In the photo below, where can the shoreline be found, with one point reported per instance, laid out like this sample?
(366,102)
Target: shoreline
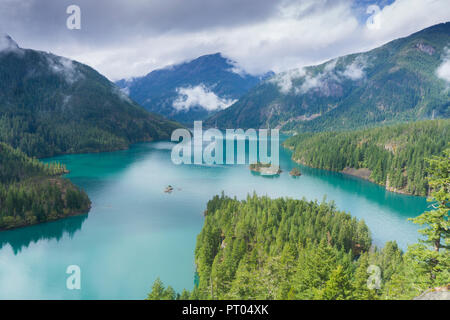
(360,174)
(73,214)
(101,151)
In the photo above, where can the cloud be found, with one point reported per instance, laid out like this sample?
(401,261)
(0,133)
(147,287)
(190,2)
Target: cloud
(309,80)
(200,96)
(7,44)
(320,80)
(443,71)
(123,39)
(237,68)
(284,80)
(64,67)
(355,70)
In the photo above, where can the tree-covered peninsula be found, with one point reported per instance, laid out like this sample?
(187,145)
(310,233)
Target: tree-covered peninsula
(262,248)
(33,192)
(392,156)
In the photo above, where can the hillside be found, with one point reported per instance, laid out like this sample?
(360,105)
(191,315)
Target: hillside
(33,192)
(402,80)
(393,156)
(52,105)
(286,249)
(192,90)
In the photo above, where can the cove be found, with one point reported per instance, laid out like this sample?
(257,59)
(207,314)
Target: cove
(135,232)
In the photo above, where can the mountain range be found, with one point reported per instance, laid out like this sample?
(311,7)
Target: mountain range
(192,90)
(404,80)
(52,105)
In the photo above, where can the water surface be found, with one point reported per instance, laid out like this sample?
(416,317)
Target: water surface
(135,232)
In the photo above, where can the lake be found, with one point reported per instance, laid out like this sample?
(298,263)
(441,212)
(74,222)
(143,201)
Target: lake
(136,232)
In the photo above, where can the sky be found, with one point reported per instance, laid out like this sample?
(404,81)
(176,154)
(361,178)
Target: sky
(124,39)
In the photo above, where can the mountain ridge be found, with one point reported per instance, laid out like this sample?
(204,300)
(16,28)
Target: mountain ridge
(395,82)
(191,90)
(53,105)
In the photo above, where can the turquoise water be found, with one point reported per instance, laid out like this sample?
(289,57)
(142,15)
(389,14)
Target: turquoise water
(135,232)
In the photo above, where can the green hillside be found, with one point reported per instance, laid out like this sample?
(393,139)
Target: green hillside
(33,192)
(51,105)
(278,249)
(394,155)
(396,82)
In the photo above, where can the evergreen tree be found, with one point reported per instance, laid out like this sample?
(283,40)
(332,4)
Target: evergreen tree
(158,290)
(428,255)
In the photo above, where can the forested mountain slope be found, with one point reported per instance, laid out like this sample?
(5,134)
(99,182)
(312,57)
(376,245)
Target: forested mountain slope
(262,248)
(33,192)
(394,155)
(403,80)
(52,105)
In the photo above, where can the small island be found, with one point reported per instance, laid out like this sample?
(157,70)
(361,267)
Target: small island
(295,172)
(168,189)
(265,169)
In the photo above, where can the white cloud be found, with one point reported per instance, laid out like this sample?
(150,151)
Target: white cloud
(443,71)
(284,79)
(122,93)
(319,80)
(65,67)
(355,70)
(288,34)
(7,44)
(200,96)
(126,91)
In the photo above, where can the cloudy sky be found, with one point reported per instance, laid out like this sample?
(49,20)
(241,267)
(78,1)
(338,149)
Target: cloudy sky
(122,39)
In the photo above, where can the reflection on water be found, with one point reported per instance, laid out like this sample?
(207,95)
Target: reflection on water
(21,238)
(135,232)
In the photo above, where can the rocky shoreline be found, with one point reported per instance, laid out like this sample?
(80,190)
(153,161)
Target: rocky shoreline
(265,169)
(362,173)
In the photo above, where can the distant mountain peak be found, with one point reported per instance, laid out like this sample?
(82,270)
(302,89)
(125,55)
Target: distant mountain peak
(7,43)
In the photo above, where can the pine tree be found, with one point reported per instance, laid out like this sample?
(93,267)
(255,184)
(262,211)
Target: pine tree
(428,254)
(157,292)
(338,287)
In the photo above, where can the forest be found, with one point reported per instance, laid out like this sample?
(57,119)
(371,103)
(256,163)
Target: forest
(33,192)
(51,105)
(395,155)
(262,248)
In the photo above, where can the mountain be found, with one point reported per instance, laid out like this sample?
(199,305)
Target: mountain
(192,90)
(33,192)
(52,105)
(406,79)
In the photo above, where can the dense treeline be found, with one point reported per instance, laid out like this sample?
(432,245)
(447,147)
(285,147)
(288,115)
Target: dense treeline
(251,249)
(395,155)
(261,248)
(33,192)
(16,166)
